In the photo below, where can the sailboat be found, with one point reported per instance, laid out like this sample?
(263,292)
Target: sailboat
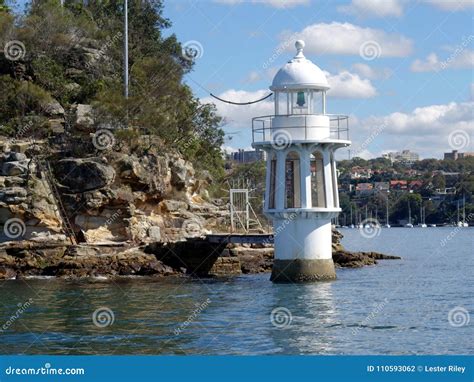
(422,224)
(387,224)
(351,225)
(409,225)
(462,223)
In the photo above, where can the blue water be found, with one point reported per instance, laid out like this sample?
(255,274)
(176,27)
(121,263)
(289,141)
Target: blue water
(395,307)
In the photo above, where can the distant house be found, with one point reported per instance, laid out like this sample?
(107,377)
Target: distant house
(398,185)
(445,191)
(364,188)
(358,172)
(415,184)
(382,186)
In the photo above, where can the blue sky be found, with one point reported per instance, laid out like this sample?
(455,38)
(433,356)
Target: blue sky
(418,86)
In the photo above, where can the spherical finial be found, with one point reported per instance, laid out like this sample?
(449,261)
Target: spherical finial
(299,44)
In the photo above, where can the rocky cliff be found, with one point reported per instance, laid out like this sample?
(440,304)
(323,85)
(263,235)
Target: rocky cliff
(115,197)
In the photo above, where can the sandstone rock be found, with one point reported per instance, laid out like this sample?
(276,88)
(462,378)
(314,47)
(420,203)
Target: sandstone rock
(181,171)
(84,115)
(81,175)
(172,205)
(7,273)
(53,108)
(20,147)
(154,233)
(14,168)
(14,157)
(14,181)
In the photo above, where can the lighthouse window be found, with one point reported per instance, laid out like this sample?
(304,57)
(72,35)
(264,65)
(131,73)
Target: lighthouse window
(318,195)
(292,181)
(299,102)
(271,194)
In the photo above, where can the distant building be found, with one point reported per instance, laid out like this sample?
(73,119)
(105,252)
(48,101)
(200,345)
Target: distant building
(398,184)
(382,186)
(358,172)
(247,156)
(455,155)
(415,184)
(364,188)
(404,156)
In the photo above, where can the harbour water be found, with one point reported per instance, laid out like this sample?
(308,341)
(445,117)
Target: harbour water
(417,305)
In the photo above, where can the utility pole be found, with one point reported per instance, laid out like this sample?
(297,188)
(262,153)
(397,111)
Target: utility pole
(125,51)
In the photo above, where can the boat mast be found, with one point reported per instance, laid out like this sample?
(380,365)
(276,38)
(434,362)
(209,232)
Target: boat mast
(409,212)
(464,208)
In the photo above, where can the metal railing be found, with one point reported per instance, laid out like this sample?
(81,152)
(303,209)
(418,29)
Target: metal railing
(262,127)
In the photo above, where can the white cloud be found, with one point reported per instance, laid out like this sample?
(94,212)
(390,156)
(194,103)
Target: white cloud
(451,5)
(270,3)
(472,91)
(462,59)
(346,38)
(349,85)
(241,116)
(425,129)
(252,77)
(373,8)
(372,73)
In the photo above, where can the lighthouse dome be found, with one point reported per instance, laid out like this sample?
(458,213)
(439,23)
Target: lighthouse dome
(299,73)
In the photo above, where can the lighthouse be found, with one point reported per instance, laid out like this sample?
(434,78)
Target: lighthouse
(301,194)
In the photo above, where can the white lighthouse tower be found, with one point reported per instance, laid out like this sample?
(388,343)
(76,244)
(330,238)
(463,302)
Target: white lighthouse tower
(301,180)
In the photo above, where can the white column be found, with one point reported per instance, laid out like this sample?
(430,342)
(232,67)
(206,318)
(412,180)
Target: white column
(324,101)
(280,180)
(334,185)
(327,178)
(305,178)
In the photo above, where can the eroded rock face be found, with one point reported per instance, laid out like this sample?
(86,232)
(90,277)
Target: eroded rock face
(81,175)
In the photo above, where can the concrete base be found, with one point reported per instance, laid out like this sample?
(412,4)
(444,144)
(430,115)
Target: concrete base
(300,271)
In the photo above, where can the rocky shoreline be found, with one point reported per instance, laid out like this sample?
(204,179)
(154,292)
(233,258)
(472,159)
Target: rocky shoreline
(142,215)
(194,257)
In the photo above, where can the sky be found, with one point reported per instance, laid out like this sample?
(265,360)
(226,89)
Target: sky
(402,70)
